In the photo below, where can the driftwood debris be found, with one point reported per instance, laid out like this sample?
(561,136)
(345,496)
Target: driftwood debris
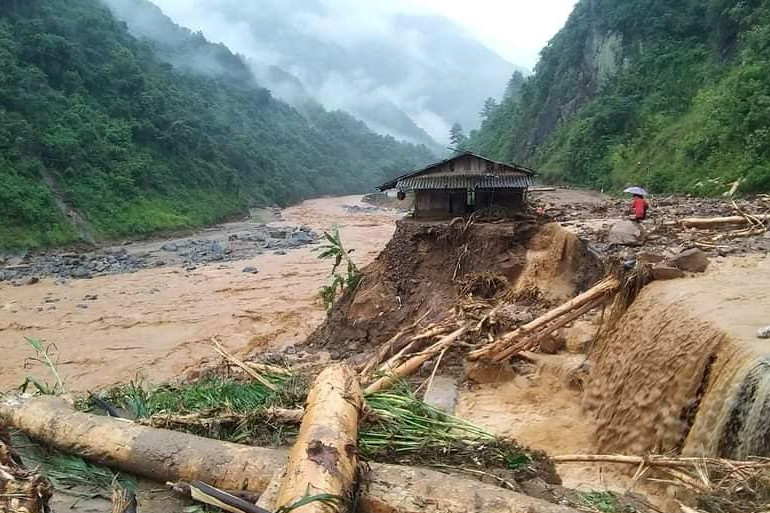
(718,222)
(526,337)
(172,456)
(324,459)
(414,362)
(21,490)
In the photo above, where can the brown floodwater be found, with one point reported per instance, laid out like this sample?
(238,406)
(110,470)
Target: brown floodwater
(155,324)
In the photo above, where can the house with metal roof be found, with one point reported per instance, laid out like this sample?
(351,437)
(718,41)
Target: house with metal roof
(463,184)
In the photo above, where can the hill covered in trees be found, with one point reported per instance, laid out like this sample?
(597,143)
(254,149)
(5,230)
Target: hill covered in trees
(101,136)
(674,96)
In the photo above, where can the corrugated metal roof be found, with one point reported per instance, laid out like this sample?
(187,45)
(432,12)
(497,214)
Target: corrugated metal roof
(513,167)
(466,182)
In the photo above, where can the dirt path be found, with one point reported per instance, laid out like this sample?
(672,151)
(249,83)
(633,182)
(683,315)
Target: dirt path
(153,324)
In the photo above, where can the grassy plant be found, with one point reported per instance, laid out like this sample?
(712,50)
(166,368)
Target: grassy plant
(335,249)
(406,430)
(604,502)
(47,356)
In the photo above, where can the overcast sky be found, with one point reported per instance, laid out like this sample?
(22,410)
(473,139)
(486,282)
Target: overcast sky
(516,29)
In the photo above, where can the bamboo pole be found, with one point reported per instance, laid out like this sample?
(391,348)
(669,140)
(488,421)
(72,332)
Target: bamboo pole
(607,286)
(533,341)
(412,364)
(324,459)
(168,455)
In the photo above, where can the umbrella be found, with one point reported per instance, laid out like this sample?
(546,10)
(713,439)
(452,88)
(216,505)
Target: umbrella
(636,190)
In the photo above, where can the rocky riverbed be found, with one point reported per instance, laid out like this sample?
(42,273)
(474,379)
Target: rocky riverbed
(225,243)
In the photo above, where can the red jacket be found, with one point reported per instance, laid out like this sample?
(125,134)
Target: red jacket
(639,207)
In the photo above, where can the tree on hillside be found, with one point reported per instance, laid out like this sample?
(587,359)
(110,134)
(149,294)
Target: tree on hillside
(489,107)
(456,135)
(515,83)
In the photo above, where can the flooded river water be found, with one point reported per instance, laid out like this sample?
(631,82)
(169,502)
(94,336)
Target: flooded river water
(155,324)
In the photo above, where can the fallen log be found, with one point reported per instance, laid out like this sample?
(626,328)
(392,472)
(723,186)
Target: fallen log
(168,455)
(716,222)
(601,290)
(324,459)
(414,363)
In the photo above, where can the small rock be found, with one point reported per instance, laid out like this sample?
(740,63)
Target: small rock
(764,332)
(250,269)
(81,305)
(483,372)
(552,344)
(51,300)
(81,272)
(191,267)
(279,252)
(626,233)
(31,280)
(442,394)
(90,297)
(666,272)
(301,237)
(50,307)
(692,260)
(170,247)
(39,308)
(160,263)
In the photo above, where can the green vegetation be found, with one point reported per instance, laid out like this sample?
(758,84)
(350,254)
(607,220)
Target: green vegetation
(335,249)
(93,122)
(673,96)
(401,428)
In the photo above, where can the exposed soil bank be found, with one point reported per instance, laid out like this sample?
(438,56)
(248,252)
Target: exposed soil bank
(422,269)
(684,371)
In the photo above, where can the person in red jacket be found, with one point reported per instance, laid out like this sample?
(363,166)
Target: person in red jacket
(639,207)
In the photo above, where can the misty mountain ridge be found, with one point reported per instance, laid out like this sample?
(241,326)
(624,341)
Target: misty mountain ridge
(406,75)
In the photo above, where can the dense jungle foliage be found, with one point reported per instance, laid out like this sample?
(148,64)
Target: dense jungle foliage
(670,95)
(96,128)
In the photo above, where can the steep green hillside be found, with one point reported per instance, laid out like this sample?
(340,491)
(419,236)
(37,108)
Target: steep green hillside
(94,124)
(674,96)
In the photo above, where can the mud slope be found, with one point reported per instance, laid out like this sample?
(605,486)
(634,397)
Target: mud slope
(421,268)
(684,370)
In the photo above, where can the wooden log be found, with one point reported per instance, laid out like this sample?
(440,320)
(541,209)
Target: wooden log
(166,455)
(598,291)
(414,363)
(158,454)
(533,341)
(324,459)
(716,222)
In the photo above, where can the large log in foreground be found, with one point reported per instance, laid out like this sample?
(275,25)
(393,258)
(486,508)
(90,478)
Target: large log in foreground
(324,459)
(717,222)
(164,456)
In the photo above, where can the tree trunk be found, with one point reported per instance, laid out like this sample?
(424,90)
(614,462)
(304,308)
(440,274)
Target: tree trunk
(170,456)
(324,459)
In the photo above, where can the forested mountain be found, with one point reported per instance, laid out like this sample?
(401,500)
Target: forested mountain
(402,74)
(671,95)
(98,132)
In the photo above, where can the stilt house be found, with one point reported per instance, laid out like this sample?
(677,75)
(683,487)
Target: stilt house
(463,184)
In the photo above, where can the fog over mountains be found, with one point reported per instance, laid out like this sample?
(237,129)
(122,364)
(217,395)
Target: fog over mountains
(402,73)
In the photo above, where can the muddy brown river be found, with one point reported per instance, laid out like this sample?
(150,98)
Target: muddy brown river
(155,324)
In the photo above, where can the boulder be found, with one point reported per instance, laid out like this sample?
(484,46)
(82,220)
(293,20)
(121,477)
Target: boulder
(250,269)
(301,237)
(764,332)
(626,233)
(170,247)
(692,260)
(666,272)
(81,272)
